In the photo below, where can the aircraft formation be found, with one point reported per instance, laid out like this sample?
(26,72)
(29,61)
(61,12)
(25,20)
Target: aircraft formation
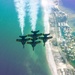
(34,38)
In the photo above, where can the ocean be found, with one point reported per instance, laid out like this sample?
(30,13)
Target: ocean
(14,60)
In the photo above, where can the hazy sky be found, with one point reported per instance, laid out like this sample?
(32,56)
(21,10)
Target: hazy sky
(69,4)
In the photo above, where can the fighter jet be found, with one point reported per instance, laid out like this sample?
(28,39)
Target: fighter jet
(35,34)
(23,37)
(45,38)
(23,40)
(33,43)
(45,35)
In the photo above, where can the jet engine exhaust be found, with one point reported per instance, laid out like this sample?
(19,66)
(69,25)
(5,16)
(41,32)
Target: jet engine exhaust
(46,5)
(20,8)
(33,11)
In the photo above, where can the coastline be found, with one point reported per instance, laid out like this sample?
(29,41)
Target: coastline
(50,59)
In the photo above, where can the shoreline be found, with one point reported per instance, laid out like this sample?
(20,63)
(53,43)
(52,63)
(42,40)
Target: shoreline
(54,66)
(50,59)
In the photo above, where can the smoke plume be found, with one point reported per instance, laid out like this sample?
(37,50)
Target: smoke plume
(20,8)
(33,12)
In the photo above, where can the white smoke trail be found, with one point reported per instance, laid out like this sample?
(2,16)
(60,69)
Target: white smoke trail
(20,8)
(33,11)
(47,4)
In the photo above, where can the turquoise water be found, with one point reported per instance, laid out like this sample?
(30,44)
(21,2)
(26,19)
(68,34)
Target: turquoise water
(14,60)
(73,33)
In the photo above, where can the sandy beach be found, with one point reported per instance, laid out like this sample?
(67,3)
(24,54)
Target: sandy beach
(50,59)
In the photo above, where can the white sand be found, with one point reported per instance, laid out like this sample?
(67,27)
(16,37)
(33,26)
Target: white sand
(50,59)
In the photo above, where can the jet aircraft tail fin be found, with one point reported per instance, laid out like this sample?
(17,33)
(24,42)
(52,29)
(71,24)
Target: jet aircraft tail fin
(23,36)
(35,31)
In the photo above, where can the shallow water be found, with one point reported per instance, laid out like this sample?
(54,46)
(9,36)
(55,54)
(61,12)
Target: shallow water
(14,60)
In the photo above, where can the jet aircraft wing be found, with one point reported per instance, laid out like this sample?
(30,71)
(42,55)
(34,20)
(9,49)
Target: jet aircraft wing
(19,40)
(49,37)
(36,35)
(36,42)
(33,44)
(46,34)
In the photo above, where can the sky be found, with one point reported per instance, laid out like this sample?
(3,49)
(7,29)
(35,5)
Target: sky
(69,4)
